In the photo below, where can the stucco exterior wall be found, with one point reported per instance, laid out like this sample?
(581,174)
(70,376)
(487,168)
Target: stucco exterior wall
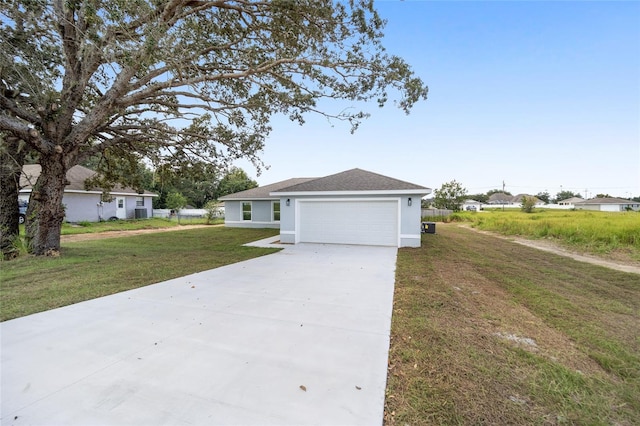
(86,206)
(409,221)
(81,207)
(595,207)
(261,214)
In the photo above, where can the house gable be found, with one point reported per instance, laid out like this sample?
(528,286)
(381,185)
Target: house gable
(352,207)
(354,181)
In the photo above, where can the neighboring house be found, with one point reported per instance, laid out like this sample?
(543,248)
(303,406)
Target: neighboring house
(471,205)
(570,202)
(500,198)
(608,204)
(89,205)
(256,207)
(351,207)
(517,199)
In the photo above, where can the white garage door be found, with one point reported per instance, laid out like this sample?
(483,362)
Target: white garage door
(349,222)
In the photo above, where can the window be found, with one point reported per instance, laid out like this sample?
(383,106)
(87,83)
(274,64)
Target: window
(139,201)
(246,210)
(120,203)
(276,211)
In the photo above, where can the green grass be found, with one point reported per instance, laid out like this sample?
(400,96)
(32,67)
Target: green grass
(462,292)
(91,269)
(130,225)
(591,231)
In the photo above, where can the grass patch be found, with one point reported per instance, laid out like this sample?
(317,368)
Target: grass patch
(131,225)
(590,231)
(91,269)
(486,331)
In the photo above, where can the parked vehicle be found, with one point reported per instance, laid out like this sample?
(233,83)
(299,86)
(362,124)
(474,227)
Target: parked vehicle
(472,208)
(22,208)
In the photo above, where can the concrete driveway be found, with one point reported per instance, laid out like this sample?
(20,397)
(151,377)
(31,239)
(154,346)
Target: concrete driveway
(294,338)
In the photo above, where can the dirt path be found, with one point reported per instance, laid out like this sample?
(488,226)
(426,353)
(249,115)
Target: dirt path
(625,265)
(115,234)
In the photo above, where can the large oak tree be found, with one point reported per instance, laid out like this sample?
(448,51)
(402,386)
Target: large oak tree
(179,80)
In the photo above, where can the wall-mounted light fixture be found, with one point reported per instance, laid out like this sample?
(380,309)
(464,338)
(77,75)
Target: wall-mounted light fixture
(409,201)
(288,202)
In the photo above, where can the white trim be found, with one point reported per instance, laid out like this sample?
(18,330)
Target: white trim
(273,202)
(247,199)
(398,200)
(251,221)
(411,236)
(288,232)
(415,192)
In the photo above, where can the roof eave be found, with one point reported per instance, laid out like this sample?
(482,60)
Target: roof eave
(248,199)
(421,192)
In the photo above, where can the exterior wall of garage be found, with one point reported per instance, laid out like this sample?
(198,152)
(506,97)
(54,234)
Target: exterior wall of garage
(261,214)
(408,222)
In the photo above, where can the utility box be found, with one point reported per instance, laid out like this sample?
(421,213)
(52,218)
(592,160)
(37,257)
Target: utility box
(428,227)
(141,213)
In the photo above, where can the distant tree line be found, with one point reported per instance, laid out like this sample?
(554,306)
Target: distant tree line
(452,195)
(197,183)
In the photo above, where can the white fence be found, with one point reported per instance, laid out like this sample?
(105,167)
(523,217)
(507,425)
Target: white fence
(185,213)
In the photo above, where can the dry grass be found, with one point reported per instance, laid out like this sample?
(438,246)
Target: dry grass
(486,331)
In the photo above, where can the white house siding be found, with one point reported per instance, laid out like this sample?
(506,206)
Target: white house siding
(81,207)
(86,206)
(610,207)
(410,221)
(595,207)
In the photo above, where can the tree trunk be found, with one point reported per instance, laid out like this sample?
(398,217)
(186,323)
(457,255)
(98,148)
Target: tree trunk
(43,233)
(11,161)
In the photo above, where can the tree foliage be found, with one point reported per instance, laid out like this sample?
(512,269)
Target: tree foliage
(176,201)
(528,204)
(544,196)
(198,183)
(180,81)
(482,198)
(451,195)
(497,191)
(564,195)
(235,181)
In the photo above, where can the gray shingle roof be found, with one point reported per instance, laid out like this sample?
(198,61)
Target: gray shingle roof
(500,197)
(262,192)
(606,200)
(572,200)
(76,176)
(354,180)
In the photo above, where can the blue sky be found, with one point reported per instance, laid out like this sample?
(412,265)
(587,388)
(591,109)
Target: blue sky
(541,95)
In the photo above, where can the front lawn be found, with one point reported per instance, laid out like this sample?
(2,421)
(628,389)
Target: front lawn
(90,269)
(487,331)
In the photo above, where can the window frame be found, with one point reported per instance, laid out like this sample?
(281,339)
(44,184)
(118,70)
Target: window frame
(243,211)
(273,210)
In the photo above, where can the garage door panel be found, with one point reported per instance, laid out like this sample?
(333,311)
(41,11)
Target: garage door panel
(349,222)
